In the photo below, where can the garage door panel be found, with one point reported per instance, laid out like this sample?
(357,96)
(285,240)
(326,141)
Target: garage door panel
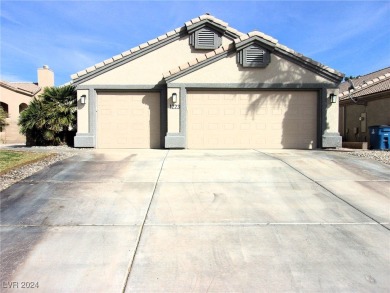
(242,119)
(128,120)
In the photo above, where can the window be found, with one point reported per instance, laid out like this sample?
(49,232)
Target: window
(22,107)
(253,56)
(205,38)
(5,108)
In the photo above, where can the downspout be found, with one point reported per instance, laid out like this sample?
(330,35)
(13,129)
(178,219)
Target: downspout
(352,87)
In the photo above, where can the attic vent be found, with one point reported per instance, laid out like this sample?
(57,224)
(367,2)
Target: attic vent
(205,38)
(253,56)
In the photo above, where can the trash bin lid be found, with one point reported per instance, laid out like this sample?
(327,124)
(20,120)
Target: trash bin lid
(379,126)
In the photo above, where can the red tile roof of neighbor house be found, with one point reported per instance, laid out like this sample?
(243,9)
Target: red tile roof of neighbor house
(375,82)
(27,88)
(193,22)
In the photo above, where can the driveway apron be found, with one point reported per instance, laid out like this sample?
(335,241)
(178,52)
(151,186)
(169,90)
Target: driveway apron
(199,220)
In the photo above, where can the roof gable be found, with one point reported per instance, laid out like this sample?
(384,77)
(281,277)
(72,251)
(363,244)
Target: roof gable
(138,51)
(206,23)
(255,37)
(239,42)
(246,40)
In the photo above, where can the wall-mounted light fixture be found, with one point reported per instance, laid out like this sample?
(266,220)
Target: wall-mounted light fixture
(332,98)
(174,98)
(83,98)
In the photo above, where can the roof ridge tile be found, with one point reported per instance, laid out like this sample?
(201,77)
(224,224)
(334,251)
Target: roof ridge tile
(151,42)
(162,37)
(108,61)
(126,53)
(210,54)
(184,66)
(117,57)
(135,49)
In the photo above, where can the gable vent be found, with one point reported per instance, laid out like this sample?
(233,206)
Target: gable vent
(253,56)
(205,38)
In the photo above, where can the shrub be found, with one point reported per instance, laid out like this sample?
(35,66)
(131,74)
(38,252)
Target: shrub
(49,118)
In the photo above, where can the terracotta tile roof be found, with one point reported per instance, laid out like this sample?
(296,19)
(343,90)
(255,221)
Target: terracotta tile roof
(371,83)
(27,88)
(155,41)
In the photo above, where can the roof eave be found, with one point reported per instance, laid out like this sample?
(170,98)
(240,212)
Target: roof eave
(316,67)
(366,98)
(136,52)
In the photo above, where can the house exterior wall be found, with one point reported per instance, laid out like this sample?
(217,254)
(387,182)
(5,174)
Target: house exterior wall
(10,133)
(378,112)
(173,111)
(353,131)
(227,70)
(82,112)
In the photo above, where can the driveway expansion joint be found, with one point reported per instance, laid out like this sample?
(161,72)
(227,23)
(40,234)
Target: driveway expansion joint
(263,224)
(130,266)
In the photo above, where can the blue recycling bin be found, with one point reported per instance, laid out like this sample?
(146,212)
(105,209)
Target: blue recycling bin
(379,137)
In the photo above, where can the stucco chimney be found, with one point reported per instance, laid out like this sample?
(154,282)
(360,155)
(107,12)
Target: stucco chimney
(45,77)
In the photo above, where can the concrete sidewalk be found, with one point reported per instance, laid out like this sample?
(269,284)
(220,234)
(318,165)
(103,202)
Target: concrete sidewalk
(186,220)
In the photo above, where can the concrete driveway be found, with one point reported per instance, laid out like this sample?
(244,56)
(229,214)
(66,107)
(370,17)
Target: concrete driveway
(198,221)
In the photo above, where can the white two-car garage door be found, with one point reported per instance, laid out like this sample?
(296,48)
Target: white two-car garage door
(251,119)
(128,120)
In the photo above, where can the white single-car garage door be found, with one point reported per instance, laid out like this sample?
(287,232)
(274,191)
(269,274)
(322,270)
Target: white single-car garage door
(251,119)
(128,120)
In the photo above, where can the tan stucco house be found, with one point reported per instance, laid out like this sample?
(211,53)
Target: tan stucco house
(364,102)
(15,97)
(206,85)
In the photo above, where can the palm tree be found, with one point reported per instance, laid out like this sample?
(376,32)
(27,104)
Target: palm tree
(49,117)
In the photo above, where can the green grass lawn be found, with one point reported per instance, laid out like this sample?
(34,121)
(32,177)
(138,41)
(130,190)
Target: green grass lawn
(13,159)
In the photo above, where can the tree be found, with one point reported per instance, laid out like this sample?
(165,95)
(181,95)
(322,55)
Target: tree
(48,118)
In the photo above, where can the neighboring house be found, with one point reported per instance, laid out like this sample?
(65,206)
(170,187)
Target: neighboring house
(207,85)
(15,97)
(368,104)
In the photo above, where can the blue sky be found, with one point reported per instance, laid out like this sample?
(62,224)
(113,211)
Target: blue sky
(350,36)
